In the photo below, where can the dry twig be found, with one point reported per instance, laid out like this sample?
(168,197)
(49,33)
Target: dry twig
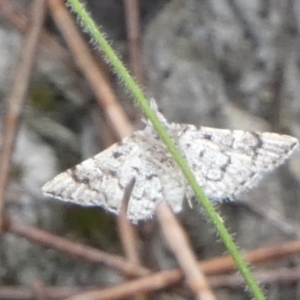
(127,232)
(133,37)
(164,279)
(152,282)
(48,42)
(75,249)
(178,242)
(88,65)
(282,276)
(279,276)
(27,293)
(18,94)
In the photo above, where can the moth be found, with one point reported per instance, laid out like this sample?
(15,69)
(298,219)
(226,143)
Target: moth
(224,162)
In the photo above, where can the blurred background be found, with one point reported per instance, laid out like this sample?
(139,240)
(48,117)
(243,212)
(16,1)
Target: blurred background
(218,63)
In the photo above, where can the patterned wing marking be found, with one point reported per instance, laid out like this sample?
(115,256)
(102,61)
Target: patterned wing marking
(227,162)
(102,180)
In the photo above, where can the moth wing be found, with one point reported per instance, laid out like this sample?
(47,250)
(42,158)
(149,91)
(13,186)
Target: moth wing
(102,180)
(227,162)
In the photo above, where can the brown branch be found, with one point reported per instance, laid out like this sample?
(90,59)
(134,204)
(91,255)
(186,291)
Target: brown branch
(126,230)
(48,43)
(18,94)
(88,65)
(128,233)
(38,289)
(165,279)
(178,242)
(26,293)
(282,276)
(8,11)
(149,283)
(132,17)
(75,249)
(285,276)
(152,283)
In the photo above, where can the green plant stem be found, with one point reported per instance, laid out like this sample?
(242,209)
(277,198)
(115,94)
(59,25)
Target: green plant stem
(123,73)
